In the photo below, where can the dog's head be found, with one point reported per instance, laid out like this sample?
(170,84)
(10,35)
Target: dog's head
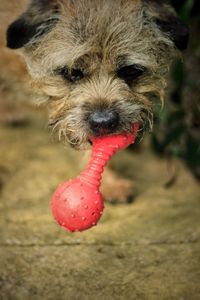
(101,64)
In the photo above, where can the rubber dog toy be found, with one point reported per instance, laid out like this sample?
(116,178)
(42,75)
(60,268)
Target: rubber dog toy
(77,204)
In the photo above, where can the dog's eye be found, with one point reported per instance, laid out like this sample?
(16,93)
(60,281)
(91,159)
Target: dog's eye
(73,75)
(76,74)
(130,73)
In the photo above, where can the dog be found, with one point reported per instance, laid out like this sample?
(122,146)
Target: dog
(99,65)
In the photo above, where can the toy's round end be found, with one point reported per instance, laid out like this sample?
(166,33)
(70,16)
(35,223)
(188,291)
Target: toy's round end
(76,207)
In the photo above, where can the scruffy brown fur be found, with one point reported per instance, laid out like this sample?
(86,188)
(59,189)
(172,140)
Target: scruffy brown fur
(98,37)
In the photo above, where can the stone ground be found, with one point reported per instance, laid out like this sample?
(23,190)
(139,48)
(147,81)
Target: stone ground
(149,249)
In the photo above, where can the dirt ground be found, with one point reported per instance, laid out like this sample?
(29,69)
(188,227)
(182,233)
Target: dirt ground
(149,249)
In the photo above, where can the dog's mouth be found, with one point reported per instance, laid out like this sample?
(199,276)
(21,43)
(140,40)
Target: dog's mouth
(133,130)
(79,125)
(82,138)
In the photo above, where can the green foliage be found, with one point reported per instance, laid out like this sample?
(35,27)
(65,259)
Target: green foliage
(177,130)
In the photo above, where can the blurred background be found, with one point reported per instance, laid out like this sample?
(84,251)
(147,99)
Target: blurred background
(177,130)
(147,249)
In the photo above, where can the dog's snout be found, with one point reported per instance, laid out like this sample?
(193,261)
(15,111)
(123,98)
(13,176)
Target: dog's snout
(103,122)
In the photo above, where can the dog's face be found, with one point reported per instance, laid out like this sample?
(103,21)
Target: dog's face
(100,63)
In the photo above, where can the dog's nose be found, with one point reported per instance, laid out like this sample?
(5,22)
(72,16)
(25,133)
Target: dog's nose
(103,122)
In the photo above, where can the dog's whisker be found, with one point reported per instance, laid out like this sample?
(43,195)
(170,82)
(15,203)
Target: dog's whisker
(87,59)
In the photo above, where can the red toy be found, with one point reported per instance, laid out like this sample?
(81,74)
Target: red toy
(77,204)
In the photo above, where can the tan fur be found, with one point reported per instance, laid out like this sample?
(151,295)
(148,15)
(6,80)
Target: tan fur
(98,35)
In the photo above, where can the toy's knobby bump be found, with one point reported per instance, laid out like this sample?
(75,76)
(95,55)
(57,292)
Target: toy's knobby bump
(77,205)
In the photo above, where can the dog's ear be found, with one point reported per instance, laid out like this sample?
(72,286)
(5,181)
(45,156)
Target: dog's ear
(38,19)
(176,30)
(169,23)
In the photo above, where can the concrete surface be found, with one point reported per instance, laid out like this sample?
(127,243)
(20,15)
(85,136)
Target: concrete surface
(149,249)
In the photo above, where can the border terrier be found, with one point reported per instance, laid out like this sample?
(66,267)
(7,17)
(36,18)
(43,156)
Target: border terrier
(100,65)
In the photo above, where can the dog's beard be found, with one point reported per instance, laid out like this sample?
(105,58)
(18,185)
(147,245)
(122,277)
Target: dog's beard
(73,127)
